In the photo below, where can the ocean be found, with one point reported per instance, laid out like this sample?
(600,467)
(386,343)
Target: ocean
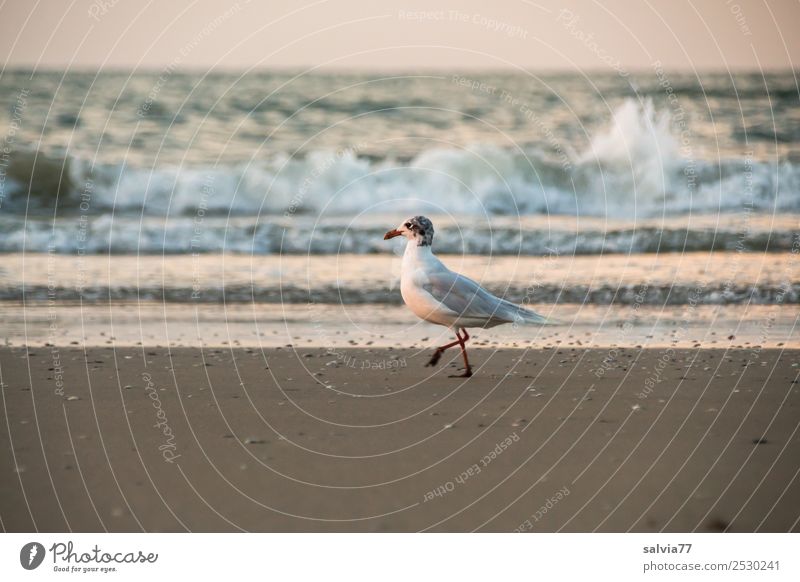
(276,187)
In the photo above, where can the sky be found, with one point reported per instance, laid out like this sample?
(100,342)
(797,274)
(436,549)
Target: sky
(540,35)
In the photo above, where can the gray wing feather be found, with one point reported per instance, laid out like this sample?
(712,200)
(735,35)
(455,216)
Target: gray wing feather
(465,297)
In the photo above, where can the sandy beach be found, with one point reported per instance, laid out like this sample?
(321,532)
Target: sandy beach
(368,439)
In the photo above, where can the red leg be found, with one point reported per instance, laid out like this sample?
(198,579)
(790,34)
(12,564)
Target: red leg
(462,341)
(439,351)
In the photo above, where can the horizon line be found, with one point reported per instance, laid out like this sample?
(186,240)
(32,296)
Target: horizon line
(423,69)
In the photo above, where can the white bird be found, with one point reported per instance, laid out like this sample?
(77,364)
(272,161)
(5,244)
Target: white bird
(438,295)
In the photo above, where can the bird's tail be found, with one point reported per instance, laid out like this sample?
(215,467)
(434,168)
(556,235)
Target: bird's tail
(526,316)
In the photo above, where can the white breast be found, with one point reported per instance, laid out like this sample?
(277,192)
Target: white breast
(416,262)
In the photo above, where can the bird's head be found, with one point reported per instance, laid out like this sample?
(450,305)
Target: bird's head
(416,228)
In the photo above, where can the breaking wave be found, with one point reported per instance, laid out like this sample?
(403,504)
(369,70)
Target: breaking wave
(305,235)
(637,167)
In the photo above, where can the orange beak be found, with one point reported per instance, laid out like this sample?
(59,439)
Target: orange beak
(391,234)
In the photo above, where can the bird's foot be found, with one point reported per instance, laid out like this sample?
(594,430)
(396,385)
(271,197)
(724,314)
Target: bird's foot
(434,358)
(467,374)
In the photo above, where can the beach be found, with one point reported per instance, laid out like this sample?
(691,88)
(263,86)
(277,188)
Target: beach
(368,439)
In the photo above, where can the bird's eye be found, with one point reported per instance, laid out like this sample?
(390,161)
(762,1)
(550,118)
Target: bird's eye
(407,225)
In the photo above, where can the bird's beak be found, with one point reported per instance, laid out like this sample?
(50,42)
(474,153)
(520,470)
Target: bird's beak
(391,234)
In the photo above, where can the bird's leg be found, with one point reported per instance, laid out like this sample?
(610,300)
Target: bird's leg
(440,350)
(462,341)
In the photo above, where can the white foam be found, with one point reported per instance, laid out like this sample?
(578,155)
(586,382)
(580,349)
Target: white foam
(636,167)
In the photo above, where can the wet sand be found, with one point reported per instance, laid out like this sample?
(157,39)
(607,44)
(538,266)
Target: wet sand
(265,326)
(368,439)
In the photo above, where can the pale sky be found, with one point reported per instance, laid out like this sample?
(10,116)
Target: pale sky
(409,35)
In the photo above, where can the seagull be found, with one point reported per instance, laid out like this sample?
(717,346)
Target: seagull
(438,295)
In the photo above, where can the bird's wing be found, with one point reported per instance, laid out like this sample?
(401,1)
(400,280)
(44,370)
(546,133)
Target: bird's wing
(465,297)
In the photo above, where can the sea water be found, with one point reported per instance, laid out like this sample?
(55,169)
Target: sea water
(249,187)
